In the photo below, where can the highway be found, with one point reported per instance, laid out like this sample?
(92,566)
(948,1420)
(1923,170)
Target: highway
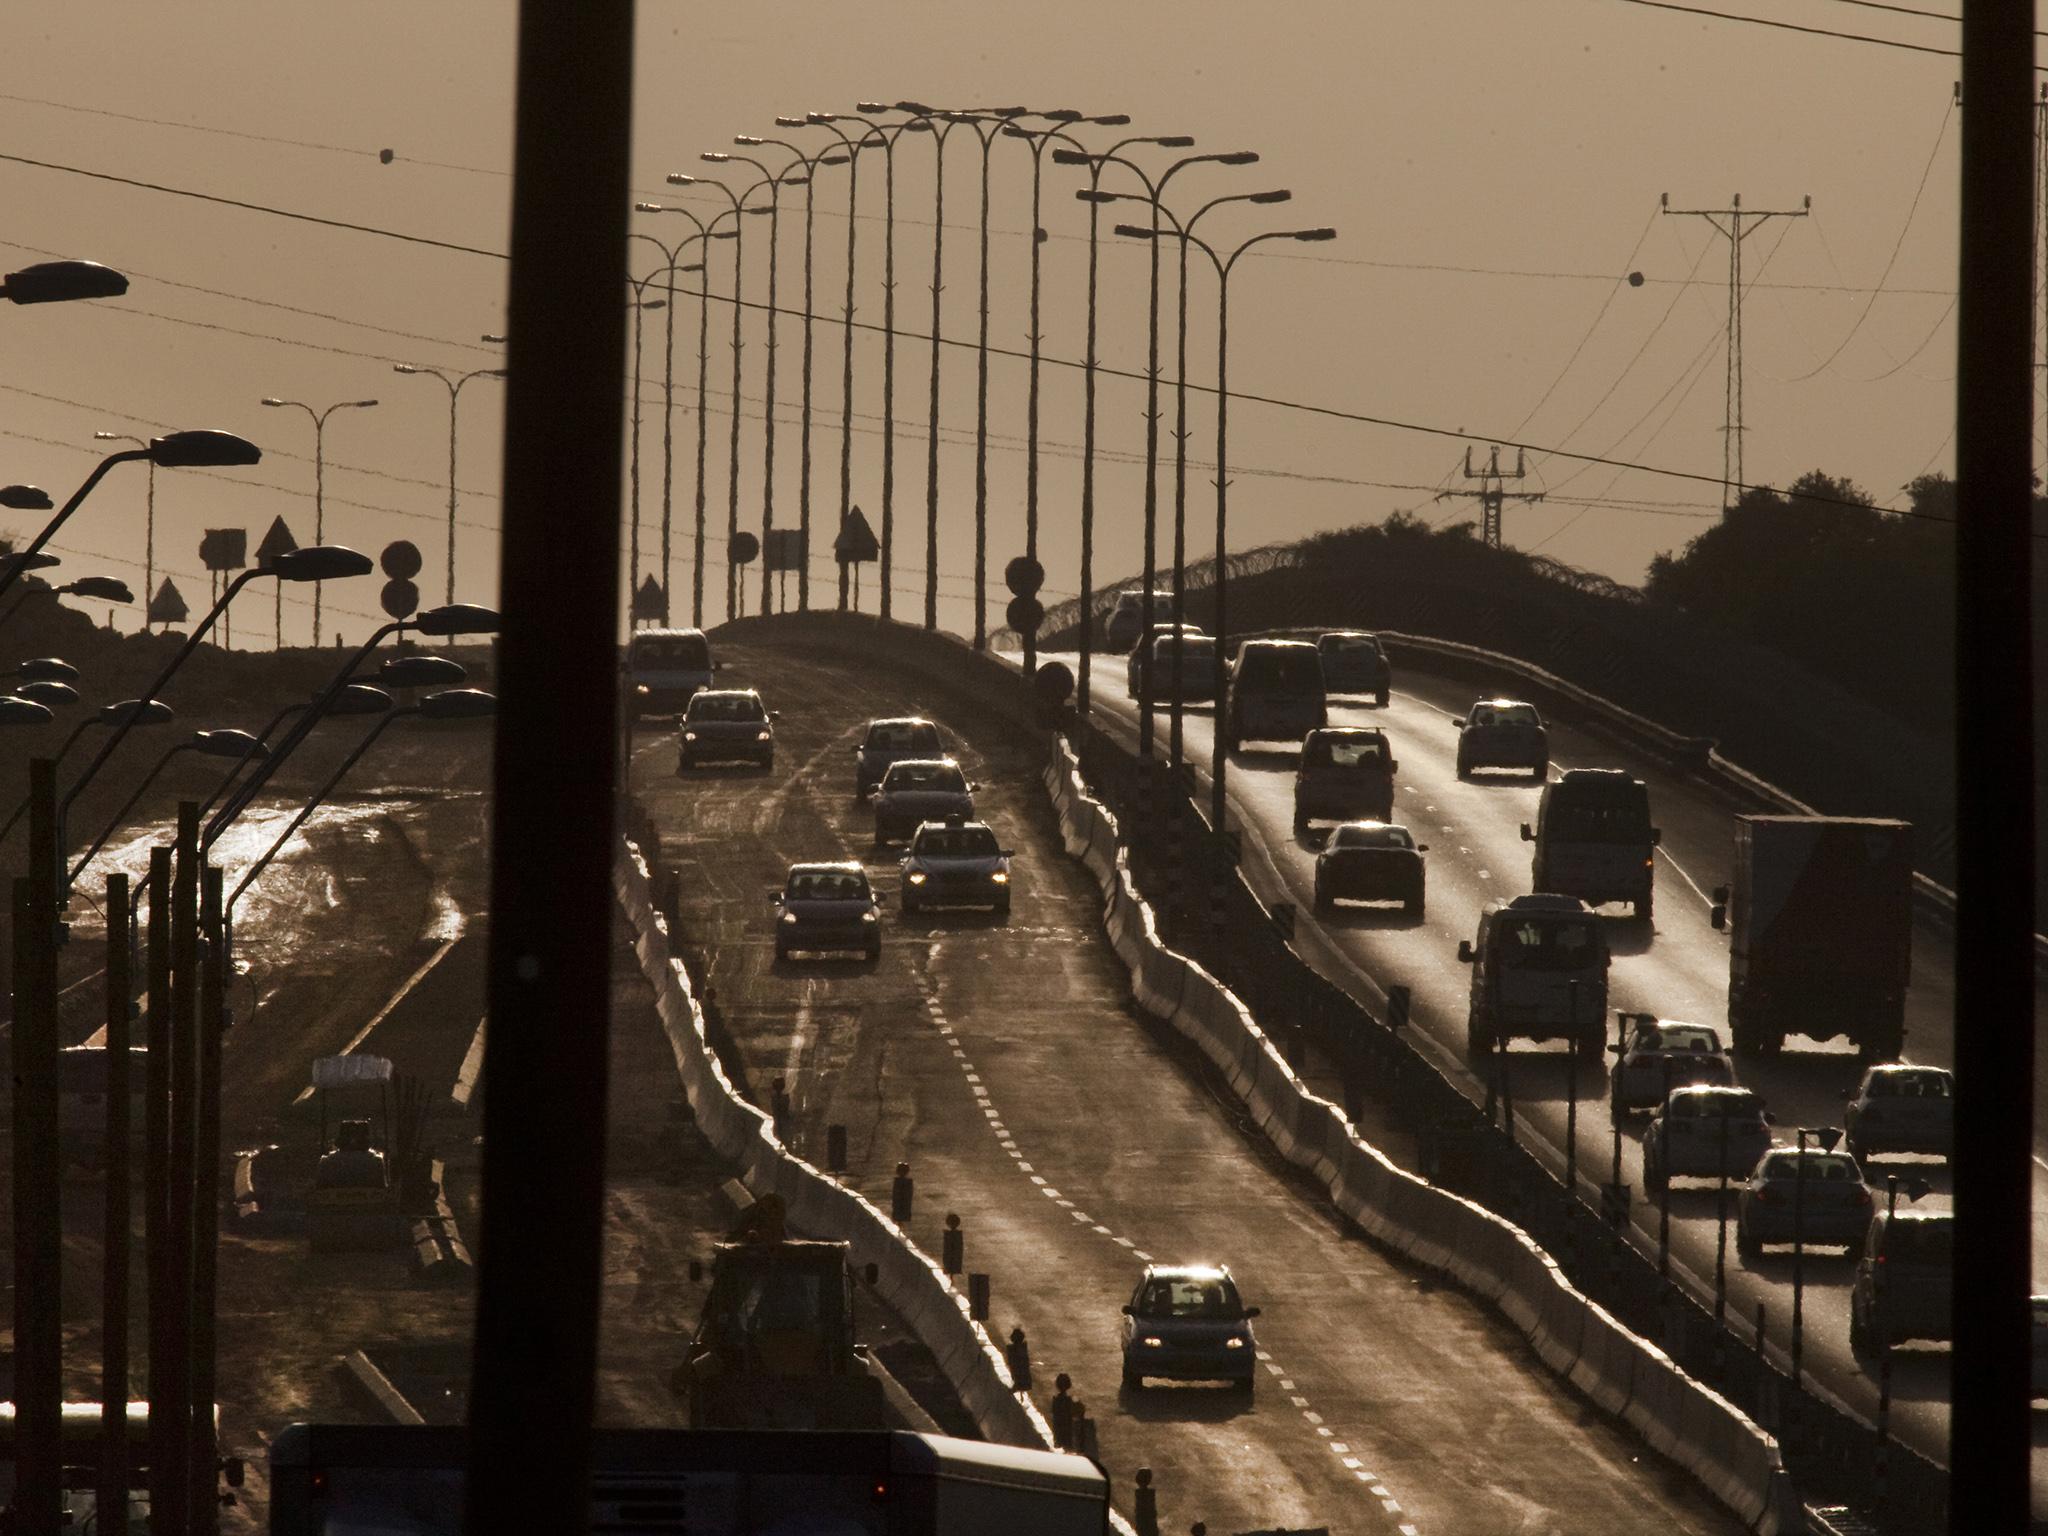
(1679,971)
(1075,1138)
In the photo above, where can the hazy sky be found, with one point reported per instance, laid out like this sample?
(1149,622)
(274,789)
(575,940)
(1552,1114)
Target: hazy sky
(1492,166)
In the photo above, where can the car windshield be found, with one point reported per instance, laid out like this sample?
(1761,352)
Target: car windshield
(828,885)
(903,736)
(1280,668)
(1530,944)
(1609,814)
(676,653)
(1920,1242)
(1341,647)
(727,706)
(1372,837)
(1729,1106)
(959,843)
(1190,1296)
(1191,647)
(1824,1166)
(1366,752)
(942,777)
(1504,714)
(1909,1085)
(1682,1037)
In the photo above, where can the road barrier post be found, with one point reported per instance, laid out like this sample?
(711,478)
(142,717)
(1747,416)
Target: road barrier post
(952,1246)
(1145,1505)
(1018,1357)
(900,1193)
(977,1298)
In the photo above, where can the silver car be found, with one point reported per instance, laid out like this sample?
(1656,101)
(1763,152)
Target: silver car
(725,725)
(956,863)
(1186,1322)
(1658,1055)
(917,790)
(1706,1133)
(827,907)
(1900,1108)
(1830,1205)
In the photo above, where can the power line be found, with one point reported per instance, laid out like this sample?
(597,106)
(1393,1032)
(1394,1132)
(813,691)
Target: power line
(1909,10)
(1791,26)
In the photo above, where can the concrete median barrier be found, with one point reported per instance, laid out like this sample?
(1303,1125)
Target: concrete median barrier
(1606,1368)
(1560,1326)
(1657,1402)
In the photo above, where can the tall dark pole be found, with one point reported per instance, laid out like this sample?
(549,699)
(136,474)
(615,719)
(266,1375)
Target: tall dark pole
(1989,1423)
(533,1382)
(212,1024)
(319,420)
(668,425)
(639,287)
(161,1337)
(888,141)
(178,1193)
(931,461)
(115,1452)
(703,360)
(672,263)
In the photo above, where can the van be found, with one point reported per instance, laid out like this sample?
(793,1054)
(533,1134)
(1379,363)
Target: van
(82,1102)
(1539,972)
(665,668)
(1594,839)
(1276,693)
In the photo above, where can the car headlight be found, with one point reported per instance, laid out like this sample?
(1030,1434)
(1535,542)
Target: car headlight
(868,917)
(916,877)
(689,735)
(1150,1342)
(760,736)
(789,917)
(1233,1343)
(640,688)
(1001,877)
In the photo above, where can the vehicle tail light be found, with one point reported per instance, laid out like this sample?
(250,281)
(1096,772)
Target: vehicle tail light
(1863,1197)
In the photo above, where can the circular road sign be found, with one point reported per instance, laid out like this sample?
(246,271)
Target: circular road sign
(401,597)
(400,560)
(1053,683)
(1024,576)
(745,548)
(1024,614)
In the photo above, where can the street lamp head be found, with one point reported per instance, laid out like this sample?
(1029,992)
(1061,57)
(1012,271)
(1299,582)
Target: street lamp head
(832,159)
(1064,115)
(456,619)
(272,400)
(1315,234)
(51,694)
(403,368)
(745,139)
(1235,157)
(1073,157)
(492,338)
(15,710)
(792,122)
(914,108)
(25,498)
(688,266)
(49,282)
(10,564)
(321,562)
(678,179)
(833,117)
(422,672)
(134,712)
(715,157)
(228,743)
(359,404)
(648,304)
(1134,232)
(1278,195)
(360,699)
(204,448)
(1173,140)
(1097,195)
(793,181)
(106,589)
(648,208)
(49,669)
(459,704)
(1109,120)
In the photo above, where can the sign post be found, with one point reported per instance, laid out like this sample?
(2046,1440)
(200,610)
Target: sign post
(855,545)
(279,541)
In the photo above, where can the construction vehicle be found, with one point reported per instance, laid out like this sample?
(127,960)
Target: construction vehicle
(775,1346)
(1821,921)
(354,1200)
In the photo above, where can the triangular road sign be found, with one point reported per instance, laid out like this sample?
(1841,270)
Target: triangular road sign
(648,601)
(168,606)
(856,541)
(278,541)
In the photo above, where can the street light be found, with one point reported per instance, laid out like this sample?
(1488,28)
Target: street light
(53,695)
(99,588)
(44,669)
(239,745)
(51,282)
(672,256)
(16,710)
(319,418)
(454,388)
(25,498)
(354,699)
(114,716)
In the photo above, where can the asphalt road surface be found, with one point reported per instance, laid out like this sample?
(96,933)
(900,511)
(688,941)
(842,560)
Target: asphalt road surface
(1680,970)
(1074,1138)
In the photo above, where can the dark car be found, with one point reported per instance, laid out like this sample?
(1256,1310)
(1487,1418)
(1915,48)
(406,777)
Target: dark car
(1905,1281)
(1276,693)
(1706,1133)
(725,725)
(1197,664)
(917,790)
(1829,1205)
(1355,662)
(956,863)
(1127,619)
(1186,1322)
(1503,733)
(1346,774)
(1659,1055)
(826,907)
(1901,1108)
(1370,861)
(889,741)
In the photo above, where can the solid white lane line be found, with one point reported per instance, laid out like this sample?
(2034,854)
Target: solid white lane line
(472,1064)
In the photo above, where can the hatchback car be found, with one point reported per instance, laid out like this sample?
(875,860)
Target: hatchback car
(920,789)
(1346,774)
(1197,664)
(890,741)
(1371,861)
(1830,1205)
(1186,1322)
(1503,733)
(956,863)
(1899,1108)
(1704,1132)
(1658,1055)
(726,725)
(1905,1281)
(827,907)
(1127,619)
(1354,662)
(1276,693)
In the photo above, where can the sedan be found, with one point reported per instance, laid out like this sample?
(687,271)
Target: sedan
(1899,1108)
(1503,733)
(890,741)
(1186,1322)
(1354,662)
(1658,1055)
(1370,861)
(917,790)
(725,724)
(954,863)
(1346,771)
(1706,1133)
(1830,1205)
(826,907)
(1905,1281)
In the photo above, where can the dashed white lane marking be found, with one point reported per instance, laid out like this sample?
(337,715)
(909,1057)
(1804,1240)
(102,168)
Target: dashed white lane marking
(1486,874)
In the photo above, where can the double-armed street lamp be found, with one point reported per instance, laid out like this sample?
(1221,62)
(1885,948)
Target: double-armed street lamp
(453,384)
(639,304)
(319,419)
(673,263)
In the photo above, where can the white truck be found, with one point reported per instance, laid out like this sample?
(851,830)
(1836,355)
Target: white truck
(1539,972)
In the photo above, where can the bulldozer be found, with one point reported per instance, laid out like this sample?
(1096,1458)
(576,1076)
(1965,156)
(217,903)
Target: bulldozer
(774,1348)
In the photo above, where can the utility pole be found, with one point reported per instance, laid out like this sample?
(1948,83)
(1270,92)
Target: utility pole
(1734,224)
(1493,492)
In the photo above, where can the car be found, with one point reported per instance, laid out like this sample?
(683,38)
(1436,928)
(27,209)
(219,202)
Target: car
(889,741)
(664,670)
(956,863)
(917,790)
(724,725)
(1355,662)
(825,907)
(1829,1205)
(1276,693)
(1905,1283)
(1658,1055)
(1901,1108)
(1186,1322)
(1197,664)
(1346,774)
(1371,861)
(1704,1132)
(1503,733)
(1127,619)
(1539,972)
(1594,839)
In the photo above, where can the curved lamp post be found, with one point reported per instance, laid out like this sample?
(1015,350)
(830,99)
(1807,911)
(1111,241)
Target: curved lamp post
(239,745)
(354,699)
(319,419)
(672,257)
(114,716)
(53,282)
(106,589)
(454,388)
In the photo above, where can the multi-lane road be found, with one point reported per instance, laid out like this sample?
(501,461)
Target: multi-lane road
(1074,1139)
(1678,969)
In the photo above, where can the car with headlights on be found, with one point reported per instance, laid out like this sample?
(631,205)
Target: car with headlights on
(1354,662)
(1829,1205)
(1503,733)
(1658,1055)
(956,863)
(1371,861)
(827,907)
(890,741)
(1346,773)
(917,790)
(725,725)
(1902,1108)
(1186,1322)
(1704,1132)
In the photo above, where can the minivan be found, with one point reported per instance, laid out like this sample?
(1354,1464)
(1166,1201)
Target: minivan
(1539,972)
(1594,839)
(665,669)
(1276,693)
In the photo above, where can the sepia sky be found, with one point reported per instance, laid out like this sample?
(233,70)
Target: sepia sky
(1493,168)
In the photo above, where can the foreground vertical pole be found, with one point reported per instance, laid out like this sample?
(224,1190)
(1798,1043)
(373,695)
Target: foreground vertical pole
(1994,962)
(533,1382)
(156,1181)
(114,1449)
(204,1505)
(175,1515)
